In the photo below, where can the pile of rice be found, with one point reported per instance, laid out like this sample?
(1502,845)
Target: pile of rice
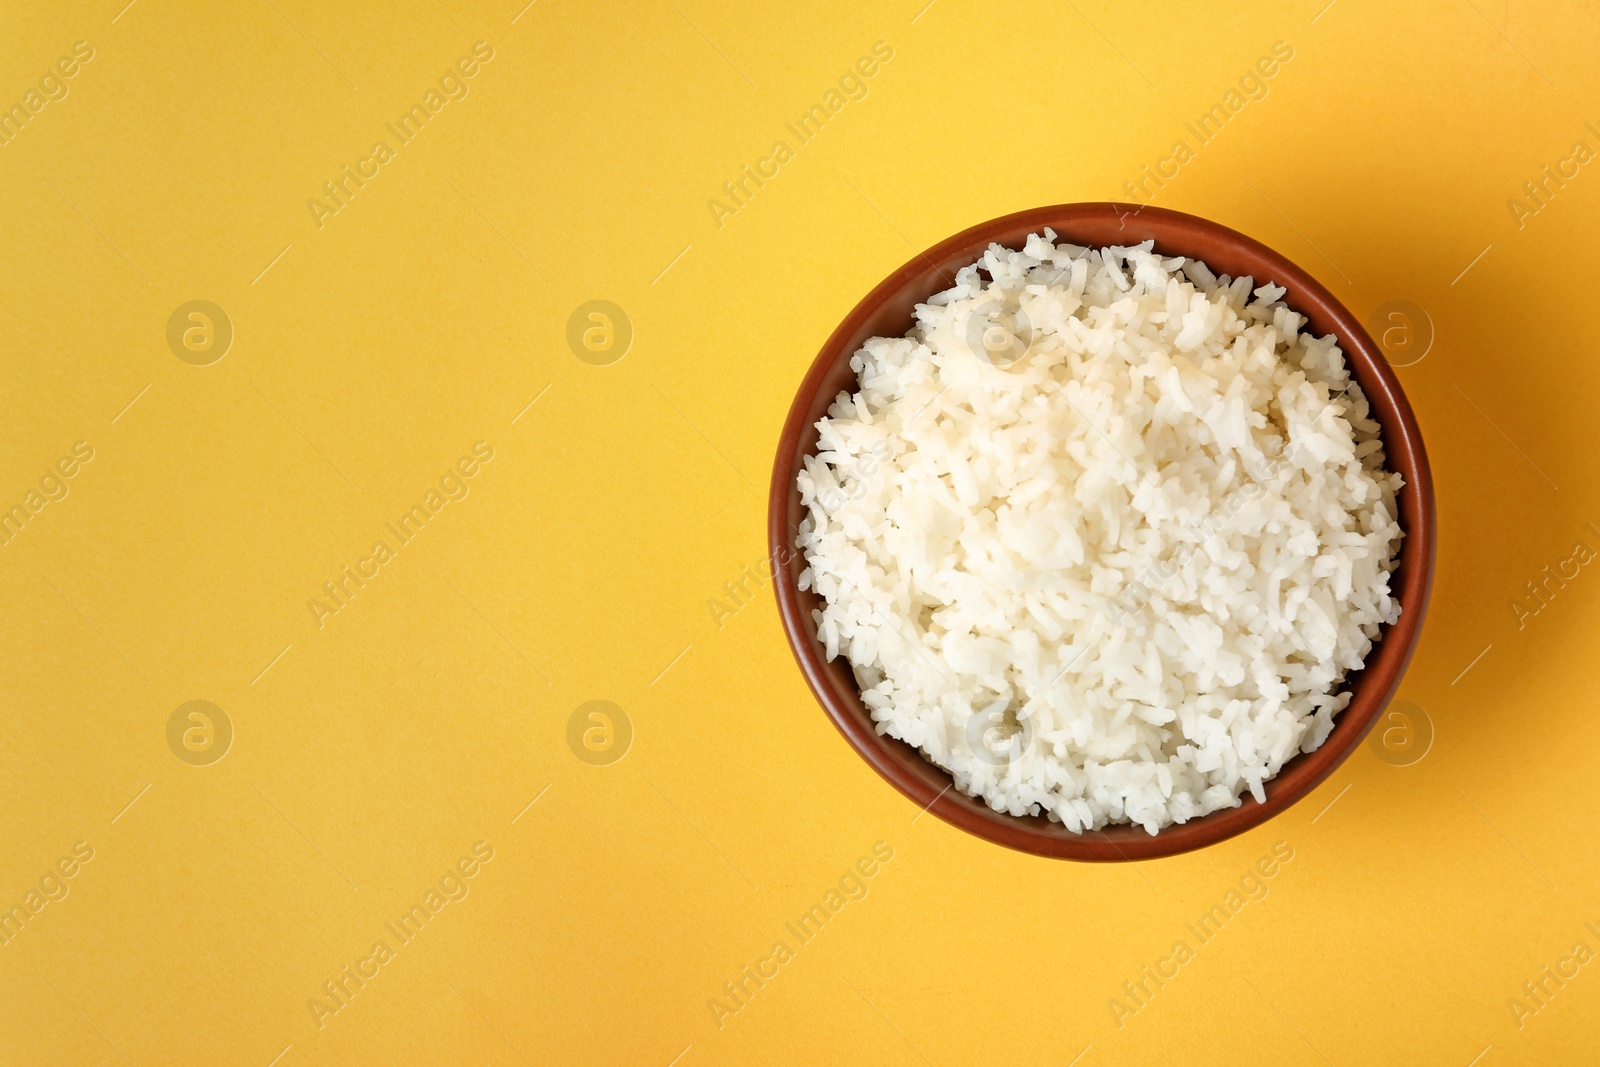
(1103,534)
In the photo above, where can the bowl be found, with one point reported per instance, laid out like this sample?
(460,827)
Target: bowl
(887,311)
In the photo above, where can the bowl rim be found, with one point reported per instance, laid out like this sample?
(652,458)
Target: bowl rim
(1175,233)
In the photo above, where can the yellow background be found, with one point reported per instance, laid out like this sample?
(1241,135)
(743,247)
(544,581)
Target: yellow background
(371,353)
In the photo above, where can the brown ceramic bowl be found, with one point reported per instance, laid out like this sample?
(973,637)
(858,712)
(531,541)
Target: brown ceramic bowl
(886,311)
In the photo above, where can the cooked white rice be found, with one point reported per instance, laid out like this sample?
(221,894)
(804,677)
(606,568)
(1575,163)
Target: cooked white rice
(1102,534)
